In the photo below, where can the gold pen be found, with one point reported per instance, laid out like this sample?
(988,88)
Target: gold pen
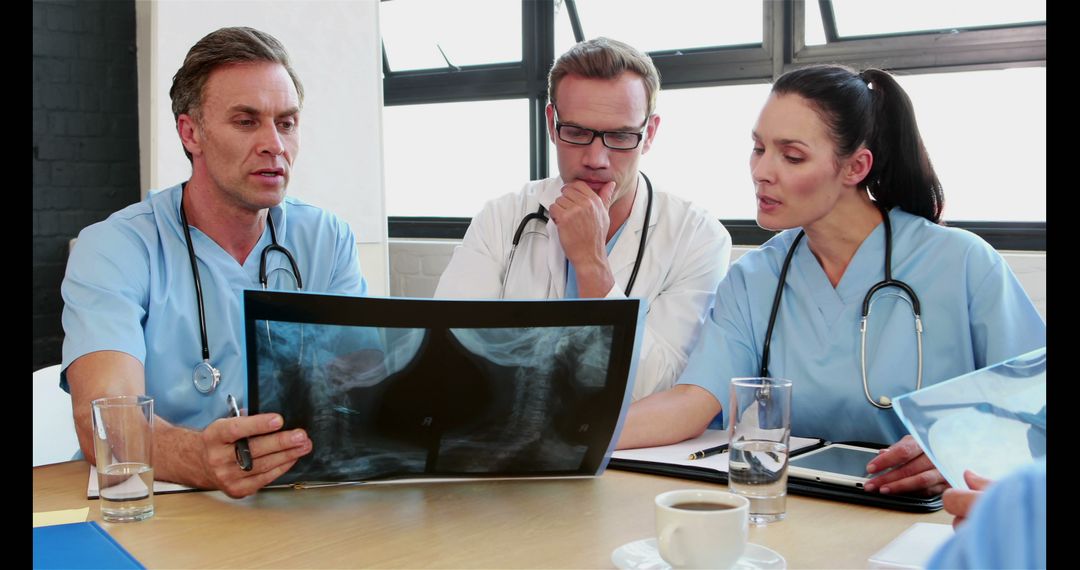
(708,452)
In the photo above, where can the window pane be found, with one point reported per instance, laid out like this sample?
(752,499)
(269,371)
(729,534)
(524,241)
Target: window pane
(986,135)
(872,17)
(815,29)
(702,150)
(564,32)
(482,152)
(649,25)
(471,32)
(985,132)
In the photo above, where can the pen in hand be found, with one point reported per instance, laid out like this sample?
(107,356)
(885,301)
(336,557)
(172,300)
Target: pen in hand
(708,452)
(243,452)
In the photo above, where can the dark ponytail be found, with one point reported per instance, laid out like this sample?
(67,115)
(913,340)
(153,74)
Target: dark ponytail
(871,109)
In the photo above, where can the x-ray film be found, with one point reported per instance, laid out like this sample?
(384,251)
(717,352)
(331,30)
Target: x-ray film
(420,388)
(990,421)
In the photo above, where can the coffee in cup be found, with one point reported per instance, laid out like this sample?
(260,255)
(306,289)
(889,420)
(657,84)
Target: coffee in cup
(701,528)
(702,506)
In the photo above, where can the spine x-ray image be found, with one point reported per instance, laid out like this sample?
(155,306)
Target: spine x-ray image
(390,402)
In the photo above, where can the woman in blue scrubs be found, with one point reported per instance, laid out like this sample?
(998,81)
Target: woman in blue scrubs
(838,160)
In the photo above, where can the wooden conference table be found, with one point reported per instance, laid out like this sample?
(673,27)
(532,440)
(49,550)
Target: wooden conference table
(568,523)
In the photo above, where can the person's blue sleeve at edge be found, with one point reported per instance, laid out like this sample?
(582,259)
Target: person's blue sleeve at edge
(1006,528)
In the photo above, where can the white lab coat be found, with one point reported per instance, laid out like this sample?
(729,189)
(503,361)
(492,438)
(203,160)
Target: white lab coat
(686,255)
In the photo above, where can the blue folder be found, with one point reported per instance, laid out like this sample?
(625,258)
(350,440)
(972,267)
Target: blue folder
(79,545)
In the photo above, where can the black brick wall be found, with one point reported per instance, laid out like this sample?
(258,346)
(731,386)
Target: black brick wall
(86,141)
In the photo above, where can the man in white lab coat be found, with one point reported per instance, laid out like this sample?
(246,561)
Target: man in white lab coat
(599,229)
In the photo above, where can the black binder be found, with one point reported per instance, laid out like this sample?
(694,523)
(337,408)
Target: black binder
(818,489)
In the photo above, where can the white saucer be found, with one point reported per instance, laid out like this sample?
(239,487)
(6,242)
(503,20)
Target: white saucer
(643,555)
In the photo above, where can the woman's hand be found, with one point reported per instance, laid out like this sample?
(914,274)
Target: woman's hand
(912,471)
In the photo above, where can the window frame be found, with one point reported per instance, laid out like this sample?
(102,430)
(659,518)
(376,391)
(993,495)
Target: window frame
(783,48)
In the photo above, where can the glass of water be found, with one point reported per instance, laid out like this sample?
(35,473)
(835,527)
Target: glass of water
(124,444)
(759,426)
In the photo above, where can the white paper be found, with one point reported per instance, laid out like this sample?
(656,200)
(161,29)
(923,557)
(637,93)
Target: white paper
(913,548)
(159,486)
(678,453)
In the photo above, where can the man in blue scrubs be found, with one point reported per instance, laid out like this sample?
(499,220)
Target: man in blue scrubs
(131,311)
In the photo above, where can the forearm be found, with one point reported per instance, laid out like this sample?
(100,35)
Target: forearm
(180,456)
(178,452)
(668,417)
(594,276)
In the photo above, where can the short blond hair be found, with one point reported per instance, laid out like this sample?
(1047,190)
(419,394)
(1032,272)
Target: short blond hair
(604,58)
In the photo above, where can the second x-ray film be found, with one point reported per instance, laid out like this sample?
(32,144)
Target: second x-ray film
(990,421)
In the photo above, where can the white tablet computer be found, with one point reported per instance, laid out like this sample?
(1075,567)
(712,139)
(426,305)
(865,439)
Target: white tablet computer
(835,463)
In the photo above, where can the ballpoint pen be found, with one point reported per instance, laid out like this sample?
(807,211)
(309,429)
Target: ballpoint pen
(243,452)
(708,452)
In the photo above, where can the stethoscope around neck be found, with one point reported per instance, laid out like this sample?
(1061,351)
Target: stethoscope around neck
(205,375)
(912,300)
(541,214)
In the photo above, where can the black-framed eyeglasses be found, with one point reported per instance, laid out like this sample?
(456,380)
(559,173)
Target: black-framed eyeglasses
(615,140)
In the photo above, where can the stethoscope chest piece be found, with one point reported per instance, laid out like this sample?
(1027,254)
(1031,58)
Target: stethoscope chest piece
(205,377)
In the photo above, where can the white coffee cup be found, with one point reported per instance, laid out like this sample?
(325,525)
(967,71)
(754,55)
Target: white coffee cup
(701,528)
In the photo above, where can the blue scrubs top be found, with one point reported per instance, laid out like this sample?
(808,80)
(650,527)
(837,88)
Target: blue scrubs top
(1006,527)
(129,288)
(974,314)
